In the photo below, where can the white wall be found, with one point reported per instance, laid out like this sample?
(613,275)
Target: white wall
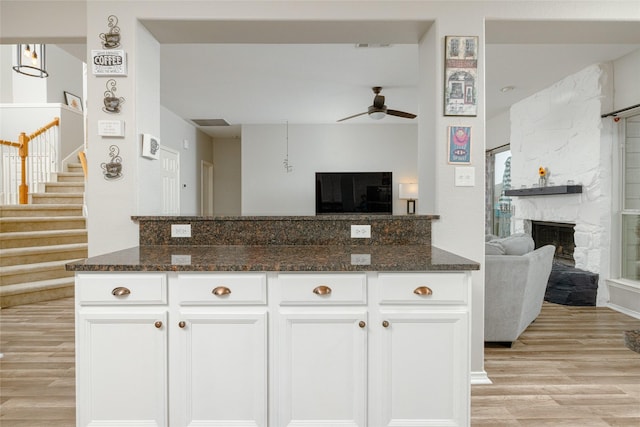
(65,74)
(626,72)
(268,189)
(498,130)
(147,107)
(227,176)
(174,131)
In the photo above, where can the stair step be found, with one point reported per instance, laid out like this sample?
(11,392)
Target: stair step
(47,210)
(64,187)
(22,224)
(74,167)
(22,273)
(70,177)
(44,290)
(25,239)
(57,198)
(42,253)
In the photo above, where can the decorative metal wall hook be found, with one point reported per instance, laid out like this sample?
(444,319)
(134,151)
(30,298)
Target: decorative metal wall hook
(111,39)
(113,169)
(112,103)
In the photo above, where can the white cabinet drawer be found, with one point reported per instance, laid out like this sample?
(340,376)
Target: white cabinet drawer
(121,288)
(423,288)
(221,289)
(323,289)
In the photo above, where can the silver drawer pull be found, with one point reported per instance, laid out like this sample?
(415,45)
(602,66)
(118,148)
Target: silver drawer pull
(120,291)
(322,290)
(221,290)
(423,291)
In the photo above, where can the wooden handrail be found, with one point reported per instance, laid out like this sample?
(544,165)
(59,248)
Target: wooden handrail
(9,143)
(23,151)
(83,161)
(54,122)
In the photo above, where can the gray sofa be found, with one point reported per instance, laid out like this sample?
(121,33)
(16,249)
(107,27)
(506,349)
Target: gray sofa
(515,282)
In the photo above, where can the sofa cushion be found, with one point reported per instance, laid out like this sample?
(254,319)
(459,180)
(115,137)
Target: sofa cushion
(516,244)
(493,248)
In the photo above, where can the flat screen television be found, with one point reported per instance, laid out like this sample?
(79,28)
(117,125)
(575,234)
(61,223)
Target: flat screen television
(353,193)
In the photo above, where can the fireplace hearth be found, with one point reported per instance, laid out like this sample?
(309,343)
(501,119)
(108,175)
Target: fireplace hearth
(557,234)
(567,285)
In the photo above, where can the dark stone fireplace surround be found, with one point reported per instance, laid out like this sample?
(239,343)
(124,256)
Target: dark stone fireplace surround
(567,285)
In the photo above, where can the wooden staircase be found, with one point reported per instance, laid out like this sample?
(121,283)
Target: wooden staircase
(38,239)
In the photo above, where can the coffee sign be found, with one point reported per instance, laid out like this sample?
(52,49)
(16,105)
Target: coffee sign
(109,62)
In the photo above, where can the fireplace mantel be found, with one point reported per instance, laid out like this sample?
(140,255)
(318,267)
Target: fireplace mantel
(545,191)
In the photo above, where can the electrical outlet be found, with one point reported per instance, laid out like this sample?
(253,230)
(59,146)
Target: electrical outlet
(361,231)
(181,259)
(180,230)
(360,259)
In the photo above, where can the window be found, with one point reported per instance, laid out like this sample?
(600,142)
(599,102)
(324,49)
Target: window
(631,200)
(498,206)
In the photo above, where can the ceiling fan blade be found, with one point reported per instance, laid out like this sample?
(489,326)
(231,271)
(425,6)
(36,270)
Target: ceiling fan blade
(401,114)
(351,117)
(378,101)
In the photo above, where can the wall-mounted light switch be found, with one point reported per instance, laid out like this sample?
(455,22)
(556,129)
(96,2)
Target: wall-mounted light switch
(361,231)
(180,230)
(465,176)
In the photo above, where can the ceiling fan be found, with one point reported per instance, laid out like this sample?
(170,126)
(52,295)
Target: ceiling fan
(378,110)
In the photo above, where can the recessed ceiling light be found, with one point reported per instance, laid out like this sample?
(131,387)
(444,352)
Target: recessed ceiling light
(507,89)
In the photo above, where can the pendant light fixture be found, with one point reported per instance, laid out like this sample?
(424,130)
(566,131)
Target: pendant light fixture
(31,60)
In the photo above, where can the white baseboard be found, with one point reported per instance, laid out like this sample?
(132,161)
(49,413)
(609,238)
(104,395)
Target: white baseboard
(480,378)
(624,310)
(624,296)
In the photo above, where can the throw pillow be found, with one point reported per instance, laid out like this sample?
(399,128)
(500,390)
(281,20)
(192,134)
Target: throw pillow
(493,248)
(517,244)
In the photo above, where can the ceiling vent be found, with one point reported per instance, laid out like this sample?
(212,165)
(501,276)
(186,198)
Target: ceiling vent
(210,122)
(371,45)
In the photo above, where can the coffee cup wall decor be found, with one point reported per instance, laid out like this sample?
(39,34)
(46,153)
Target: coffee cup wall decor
(111,39)
(112,170)
(112,103)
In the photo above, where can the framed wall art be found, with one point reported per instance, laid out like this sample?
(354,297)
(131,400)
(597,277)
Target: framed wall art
(109,62)
(461,76)
(459,144)
(73,101)
(150,147)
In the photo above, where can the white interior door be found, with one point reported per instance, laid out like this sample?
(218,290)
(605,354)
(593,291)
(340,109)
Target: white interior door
(206,195)
(170,175)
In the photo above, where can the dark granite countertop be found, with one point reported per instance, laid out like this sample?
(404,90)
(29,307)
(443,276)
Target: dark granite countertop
(249,218)
(277,258)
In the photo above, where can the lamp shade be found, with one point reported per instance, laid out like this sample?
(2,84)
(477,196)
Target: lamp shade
(408,191)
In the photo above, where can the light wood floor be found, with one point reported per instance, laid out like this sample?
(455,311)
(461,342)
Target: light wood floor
(570,368)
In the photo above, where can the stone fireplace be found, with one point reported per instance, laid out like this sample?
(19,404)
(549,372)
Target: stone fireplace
(567,285)
(560,129)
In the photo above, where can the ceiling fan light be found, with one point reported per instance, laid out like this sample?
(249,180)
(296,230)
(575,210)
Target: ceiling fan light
(377,115)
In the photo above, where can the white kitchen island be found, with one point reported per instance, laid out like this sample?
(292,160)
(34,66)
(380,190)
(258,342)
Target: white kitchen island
(273,336)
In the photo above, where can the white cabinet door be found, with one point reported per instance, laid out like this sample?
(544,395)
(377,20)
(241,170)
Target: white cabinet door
(322,368)
(219,372)
(424,369)
(122,367)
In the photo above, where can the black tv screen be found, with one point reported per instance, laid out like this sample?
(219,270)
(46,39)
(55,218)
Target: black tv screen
(353,193)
